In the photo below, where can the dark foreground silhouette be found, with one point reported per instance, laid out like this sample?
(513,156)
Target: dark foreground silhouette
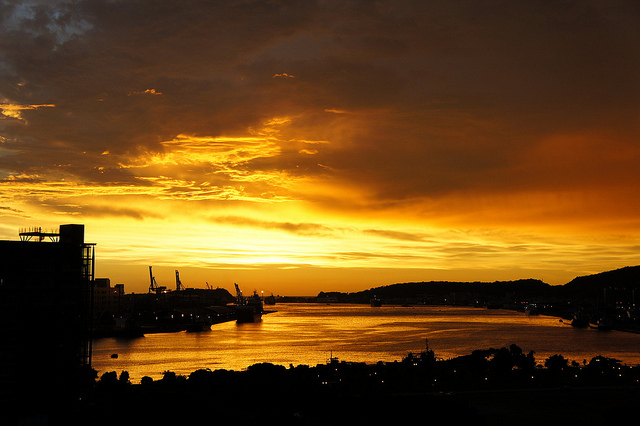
(487,387)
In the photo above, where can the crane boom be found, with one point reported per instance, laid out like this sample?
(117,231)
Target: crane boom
(179,285)
(239,297)
(153,285)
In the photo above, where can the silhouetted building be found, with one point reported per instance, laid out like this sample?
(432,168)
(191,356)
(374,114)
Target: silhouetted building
(46,280)
(107,299)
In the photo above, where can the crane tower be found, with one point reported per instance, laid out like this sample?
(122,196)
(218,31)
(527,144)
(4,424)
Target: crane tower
(179,285)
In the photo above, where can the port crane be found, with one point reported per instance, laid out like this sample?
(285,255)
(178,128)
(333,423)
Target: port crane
(239,296)
(179,285)
(153,285)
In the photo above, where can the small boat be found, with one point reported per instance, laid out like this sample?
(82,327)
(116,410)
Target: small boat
(375,302)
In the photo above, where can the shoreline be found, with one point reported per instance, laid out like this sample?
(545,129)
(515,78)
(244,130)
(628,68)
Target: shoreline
(488,387)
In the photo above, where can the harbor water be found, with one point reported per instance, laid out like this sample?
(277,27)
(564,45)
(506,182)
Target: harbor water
(309,334)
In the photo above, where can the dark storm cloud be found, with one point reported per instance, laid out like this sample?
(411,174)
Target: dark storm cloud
(417,99)
(187,50)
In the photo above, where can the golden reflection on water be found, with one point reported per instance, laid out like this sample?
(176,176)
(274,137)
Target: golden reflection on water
(308,334)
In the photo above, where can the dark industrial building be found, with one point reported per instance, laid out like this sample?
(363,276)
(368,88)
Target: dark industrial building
(46,280)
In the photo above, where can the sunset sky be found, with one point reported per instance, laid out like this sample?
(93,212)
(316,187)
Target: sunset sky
(300,146)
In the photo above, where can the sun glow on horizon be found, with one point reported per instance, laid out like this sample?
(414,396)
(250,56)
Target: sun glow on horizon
(198,206)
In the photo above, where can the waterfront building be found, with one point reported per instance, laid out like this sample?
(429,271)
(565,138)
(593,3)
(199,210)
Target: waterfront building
(46,279)
(107,299)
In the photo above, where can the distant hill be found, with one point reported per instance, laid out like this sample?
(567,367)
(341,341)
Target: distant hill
(529,287)
(586,287)
(593,285)
(438,291)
